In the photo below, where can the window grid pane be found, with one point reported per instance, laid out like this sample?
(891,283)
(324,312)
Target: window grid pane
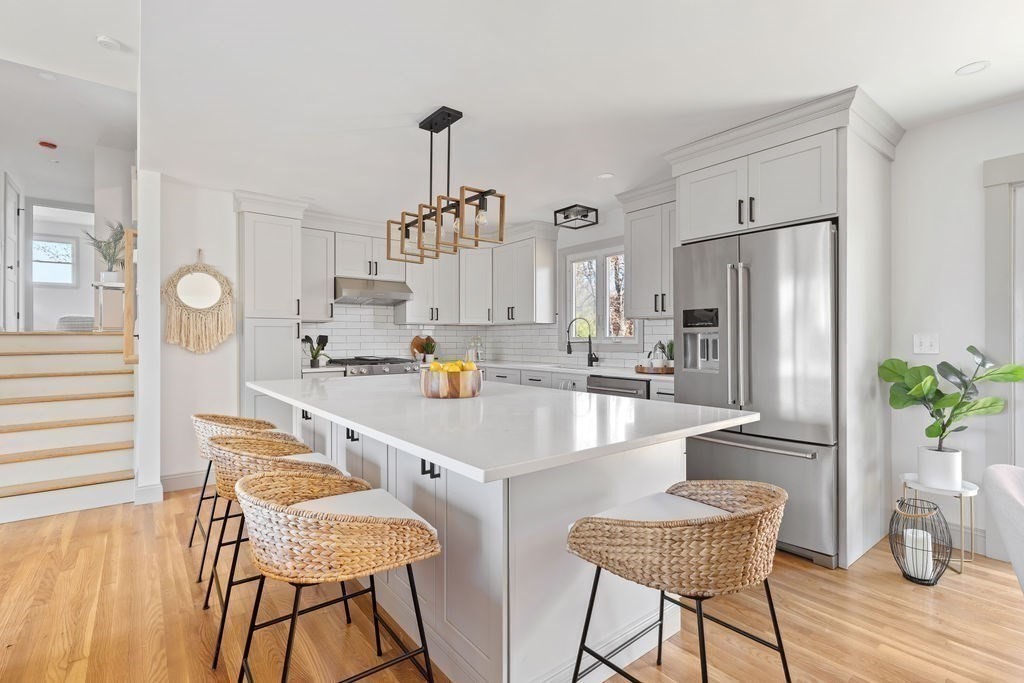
(584,297)
(53,261)
(618,325)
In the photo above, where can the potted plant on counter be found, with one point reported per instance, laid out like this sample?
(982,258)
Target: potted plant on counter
(429,346)
(315,350)
(670,351)
(111,250)
(938,466)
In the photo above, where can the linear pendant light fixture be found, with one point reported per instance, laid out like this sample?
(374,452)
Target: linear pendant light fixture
(443,225)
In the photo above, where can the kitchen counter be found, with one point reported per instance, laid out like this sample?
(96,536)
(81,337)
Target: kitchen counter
(604,371)
(505,432)
(502,477)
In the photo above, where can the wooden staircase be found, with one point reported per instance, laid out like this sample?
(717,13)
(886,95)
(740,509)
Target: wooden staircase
(67,411)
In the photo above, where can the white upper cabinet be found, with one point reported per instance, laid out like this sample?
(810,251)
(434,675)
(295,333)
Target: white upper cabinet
(435,292)
(446,289)
(650,234)
(793,181)
(524,282)
(271,249)
(317,274)
(782,184)
(383,268)
(475,286)
(353,255)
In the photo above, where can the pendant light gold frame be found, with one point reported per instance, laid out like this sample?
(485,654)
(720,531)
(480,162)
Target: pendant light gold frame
(464,231)
(396,233)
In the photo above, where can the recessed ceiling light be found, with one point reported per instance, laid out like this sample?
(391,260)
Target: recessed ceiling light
(606,176)
(47,76)
(108,43)
(973,68)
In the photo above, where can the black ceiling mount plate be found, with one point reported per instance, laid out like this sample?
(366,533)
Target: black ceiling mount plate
(440,119)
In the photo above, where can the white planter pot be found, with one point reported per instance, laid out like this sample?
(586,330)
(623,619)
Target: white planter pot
(659,363)
(670,363)
(940,469)
(428,358)
(110,276)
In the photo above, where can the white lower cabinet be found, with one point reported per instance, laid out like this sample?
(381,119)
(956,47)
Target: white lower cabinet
(315,432)
(270,350)
(529,378)
(564,380)
(503,375)
(663,391)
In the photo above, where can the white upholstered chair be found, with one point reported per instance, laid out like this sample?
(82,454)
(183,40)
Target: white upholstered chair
(1004,487)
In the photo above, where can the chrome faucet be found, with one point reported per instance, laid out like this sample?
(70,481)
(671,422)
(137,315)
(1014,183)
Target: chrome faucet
(591,356)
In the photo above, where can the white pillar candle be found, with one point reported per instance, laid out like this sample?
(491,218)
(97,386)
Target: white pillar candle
(918,550)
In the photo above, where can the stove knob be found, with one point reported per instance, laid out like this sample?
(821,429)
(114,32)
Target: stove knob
(386,370)
(362,371)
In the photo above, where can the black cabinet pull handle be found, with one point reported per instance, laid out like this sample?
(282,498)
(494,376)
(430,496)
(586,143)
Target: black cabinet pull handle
(655,303)
(376,267)
(534,379)
(488,315)
(513,312)
(350,434)
(298,334)
(298,307)
(663,302)
(434,472)
(306,415)
(332,309)
(739,211)
(752,219)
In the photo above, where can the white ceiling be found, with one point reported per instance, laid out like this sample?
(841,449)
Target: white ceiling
(322,99)
(60,36)
(76,115)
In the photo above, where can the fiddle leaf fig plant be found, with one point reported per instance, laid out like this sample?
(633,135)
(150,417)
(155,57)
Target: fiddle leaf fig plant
(919,385)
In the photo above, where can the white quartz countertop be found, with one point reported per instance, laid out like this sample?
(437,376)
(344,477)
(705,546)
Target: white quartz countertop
(507,431)
(628,373)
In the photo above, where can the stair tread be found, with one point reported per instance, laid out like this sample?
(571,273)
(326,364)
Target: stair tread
(68,373)
(62,352)
(64,397)
(64,451)
(61,424)
(66,483)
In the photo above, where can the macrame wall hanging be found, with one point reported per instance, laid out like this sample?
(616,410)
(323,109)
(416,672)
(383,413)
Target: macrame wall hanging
(200,307)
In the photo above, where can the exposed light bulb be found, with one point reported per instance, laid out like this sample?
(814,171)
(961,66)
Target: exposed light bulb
(481,219)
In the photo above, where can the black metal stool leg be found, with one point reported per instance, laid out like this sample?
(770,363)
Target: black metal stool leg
(291,632)
(348,612)
(376,616)
(586,627)
(216,555)
(209,532)
(419,624)
(661,622)
(700,640)
(227,593)
(199,504)
(252,629)
(778,633)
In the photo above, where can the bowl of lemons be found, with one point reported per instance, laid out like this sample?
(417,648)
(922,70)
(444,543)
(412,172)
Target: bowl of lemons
(452,379)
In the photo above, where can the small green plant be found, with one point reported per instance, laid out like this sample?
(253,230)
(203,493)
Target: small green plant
(111,250)
(315,349)
(429,346)
(918,385)
(670,349)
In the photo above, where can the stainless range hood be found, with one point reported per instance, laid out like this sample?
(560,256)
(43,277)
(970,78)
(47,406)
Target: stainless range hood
(354,290)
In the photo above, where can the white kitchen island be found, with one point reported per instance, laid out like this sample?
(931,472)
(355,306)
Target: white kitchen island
(502,477)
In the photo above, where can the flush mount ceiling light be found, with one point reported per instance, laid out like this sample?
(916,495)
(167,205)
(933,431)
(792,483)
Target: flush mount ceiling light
(442,225)
(973,68)
(108,43)
(575,217)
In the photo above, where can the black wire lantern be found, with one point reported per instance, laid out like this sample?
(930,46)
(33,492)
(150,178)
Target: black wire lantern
(920,540)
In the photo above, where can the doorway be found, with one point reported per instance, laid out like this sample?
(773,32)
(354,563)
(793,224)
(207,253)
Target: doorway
(9,259)
(61,267)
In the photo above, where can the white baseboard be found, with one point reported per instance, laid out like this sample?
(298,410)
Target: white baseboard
(144,495)
(184,480)
(980,547)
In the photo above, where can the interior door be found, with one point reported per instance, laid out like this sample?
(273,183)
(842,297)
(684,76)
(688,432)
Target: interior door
(787,278)
(704,277)
(644,262)
(9,256)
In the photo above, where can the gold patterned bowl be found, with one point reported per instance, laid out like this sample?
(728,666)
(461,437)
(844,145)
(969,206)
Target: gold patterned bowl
(465,384)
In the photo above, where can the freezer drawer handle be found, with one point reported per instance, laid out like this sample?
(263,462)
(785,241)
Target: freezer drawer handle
(813,455)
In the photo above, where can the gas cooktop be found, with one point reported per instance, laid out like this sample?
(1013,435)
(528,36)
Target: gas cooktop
(369,360)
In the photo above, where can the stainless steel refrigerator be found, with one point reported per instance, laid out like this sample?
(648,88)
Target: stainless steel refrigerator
(755,329)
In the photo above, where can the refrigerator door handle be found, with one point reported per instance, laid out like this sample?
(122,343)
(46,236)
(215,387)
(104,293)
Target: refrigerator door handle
(742,313)
(811,455)
(729,268)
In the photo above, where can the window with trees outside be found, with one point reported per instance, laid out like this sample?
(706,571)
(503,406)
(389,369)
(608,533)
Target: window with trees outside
(596,292)
(53,261)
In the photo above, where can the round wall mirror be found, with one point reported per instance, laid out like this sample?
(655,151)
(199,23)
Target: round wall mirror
(198,290)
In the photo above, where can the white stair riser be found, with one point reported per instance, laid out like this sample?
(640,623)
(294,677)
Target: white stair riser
(61,363)
(69,466)
(66,500)
(40,439)
(51,386)
(66,410)
(60,342)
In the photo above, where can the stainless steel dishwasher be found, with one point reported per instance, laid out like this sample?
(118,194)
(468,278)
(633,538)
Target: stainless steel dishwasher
(619,386)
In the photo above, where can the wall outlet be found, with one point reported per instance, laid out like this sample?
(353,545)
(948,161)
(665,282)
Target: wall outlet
(926,343)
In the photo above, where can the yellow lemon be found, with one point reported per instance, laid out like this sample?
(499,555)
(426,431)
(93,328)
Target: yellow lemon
(451,367)
(461,364)
(436,367)
(469,365)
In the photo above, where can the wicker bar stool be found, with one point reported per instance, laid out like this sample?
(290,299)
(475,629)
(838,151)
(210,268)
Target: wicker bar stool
(234,457)
(699,539)
(308,528)
(205,426)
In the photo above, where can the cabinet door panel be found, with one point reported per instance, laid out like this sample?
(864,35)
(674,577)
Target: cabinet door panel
(270,351)
(528,378)
(475,286)
(709,200)
(350,453)
(668,242)
(272,254)
(419,492)
(644,258)
(504,284)
(383,268)
(353,255)
(446,290)
(317,274)
(794,181)
(375,461)
(524,278)
(419,309)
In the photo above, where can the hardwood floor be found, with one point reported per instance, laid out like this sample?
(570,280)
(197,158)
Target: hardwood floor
(110,595)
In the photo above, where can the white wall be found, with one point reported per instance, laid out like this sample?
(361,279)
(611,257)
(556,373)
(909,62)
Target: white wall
(194,218)
(938,260)
(49,302)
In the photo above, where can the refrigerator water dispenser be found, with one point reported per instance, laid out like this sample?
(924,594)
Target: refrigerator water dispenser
(700,339)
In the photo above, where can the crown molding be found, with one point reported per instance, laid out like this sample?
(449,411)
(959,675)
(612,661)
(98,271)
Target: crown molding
(325,220)
(847,108)
(646,196)
(540,229)
(254,202)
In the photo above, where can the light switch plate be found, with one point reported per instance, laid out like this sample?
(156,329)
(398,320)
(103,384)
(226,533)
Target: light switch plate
(926,343)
